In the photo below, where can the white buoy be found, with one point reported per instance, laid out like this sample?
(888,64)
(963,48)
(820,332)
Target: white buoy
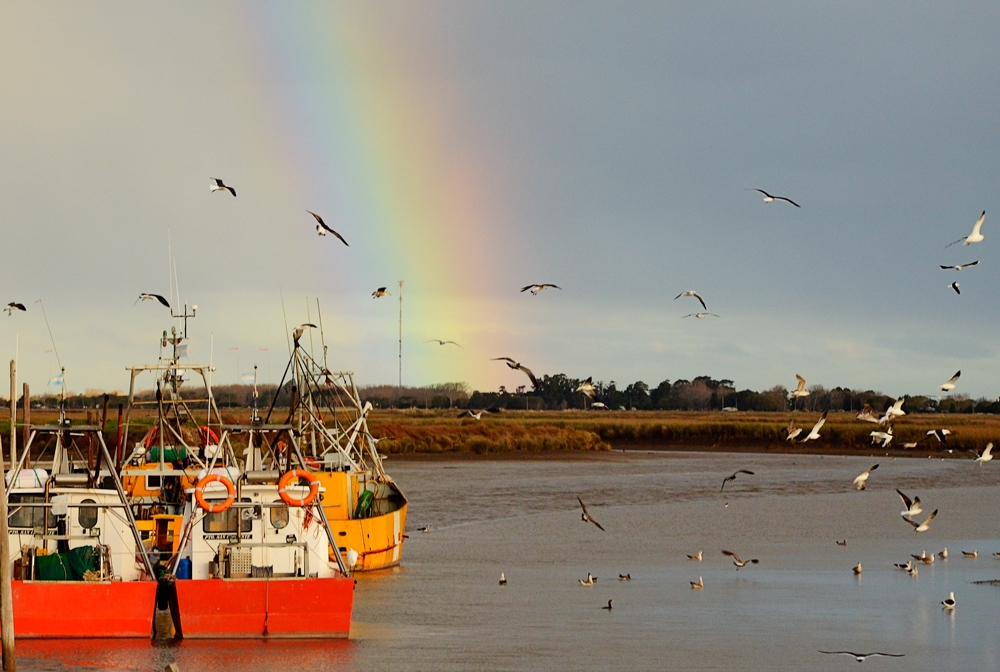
(352,557)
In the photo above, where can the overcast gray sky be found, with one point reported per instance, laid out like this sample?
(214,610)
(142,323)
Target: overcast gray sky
(474,148)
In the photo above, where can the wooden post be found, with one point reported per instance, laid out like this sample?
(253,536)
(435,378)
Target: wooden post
(26,425)
(6,594)
(13,413)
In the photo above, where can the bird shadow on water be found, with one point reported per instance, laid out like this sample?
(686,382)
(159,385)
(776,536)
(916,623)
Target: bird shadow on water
(80,655)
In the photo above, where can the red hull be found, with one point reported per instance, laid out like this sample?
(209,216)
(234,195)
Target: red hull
(83,609)
(278,608)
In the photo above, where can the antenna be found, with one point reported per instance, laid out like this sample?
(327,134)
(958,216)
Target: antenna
(322,337)
(309,319)
(399,387)
(285,316)
(56,351)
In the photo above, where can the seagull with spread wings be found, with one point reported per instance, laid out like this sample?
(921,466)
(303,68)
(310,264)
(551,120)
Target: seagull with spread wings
(537,288)
(924,526)
(861,482)
(217,185)
(867,414)
(740,563)
(793,431)
(322,228)
(380,292)
(814,432)
(955,286)
(588,388)
(517,366)
(959,267)
(695,294)
(586,517)
(14,305)
(950,385)
(733,477)
(975,236)
(912,506)
(440,342)
(860,657)
(768,198)
(800,389)
(299,330)
(700,316)
(152,297)
(986,455)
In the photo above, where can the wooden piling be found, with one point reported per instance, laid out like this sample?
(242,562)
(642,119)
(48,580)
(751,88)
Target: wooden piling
(26,425)
(6,567)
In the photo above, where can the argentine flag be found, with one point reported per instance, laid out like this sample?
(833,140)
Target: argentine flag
(57,381)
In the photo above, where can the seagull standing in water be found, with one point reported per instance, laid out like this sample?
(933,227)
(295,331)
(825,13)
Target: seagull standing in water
(768,198)
(699,584)
(733,477)
(695,294)
(217,185)
(862,480)
(537,288)
(857,569)
(585,516)
(860,657)
(986,456)
(503,579)
(975,236)
(949,604)
(322,228)
(814,432)
(950,385)
(696,557)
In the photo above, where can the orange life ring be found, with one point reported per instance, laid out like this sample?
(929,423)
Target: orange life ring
(199,493)
(292,477)
(206,434)
(151,437)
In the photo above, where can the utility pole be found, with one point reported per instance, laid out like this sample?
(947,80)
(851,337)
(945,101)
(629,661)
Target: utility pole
(399,386)
(6,592)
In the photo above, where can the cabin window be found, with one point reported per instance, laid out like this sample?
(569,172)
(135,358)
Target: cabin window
(229,520)
(154,482)
(279,515)
(29,517)
(87,515)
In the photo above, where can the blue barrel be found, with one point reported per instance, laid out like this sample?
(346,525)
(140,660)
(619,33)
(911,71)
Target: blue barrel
(184,568)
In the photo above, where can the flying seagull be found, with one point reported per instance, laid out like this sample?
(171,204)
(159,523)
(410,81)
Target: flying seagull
(322,228)
(537,288)
(959,267)
(518,367)
(152,297)
(585,516)
(13,305)
(860,657)
(949,604)
(867,414)
(814,432)
(862,480)
(217,185)
(956,286)
(695,294)
(733,477)
(440,342)
(885,437)
(975,236)
(912,506)
(986,456)
(924,526)
(800,389)
(894,411)
(477,415)
(297,334)
(587,387)
(740,563)
(950,385)
(700,316)
(768,198)
(380,292)
(793,431)
(940,434)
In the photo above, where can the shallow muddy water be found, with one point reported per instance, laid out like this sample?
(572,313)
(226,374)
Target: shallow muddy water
(444,609)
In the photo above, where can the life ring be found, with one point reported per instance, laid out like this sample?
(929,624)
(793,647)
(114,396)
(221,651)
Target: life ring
(151,437)
(292,477)
(215,507)
(206,433)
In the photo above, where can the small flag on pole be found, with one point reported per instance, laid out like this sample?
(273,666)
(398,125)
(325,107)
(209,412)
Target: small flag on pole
(57,381)
(247,379)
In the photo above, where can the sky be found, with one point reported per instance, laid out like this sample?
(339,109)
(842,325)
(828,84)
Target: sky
(470,149)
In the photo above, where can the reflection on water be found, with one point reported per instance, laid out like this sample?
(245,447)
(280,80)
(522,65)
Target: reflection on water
(444,610)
